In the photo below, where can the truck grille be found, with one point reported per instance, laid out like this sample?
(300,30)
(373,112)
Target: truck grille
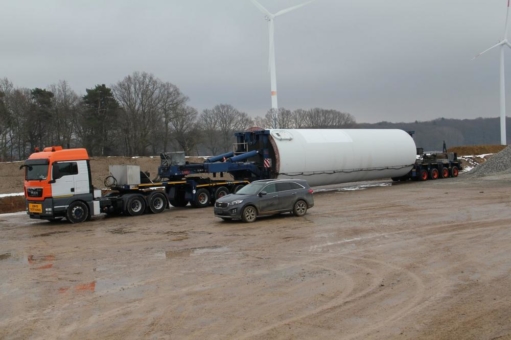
(35,192)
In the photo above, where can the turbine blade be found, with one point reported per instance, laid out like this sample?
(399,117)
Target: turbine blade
(496,45)
(292,8)
(261,8)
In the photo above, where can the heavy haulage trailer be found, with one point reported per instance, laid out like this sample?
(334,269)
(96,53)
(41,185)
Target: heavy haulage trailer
(58,181)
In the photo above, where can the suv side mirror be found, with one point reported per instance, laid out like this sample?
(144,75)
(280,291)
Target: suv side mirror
(262,193)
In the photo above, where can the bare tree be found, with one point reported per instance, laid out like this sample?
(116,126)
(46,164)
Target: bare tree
(64,107)
(185,129)
(219,125)
(140,98)
(172,102)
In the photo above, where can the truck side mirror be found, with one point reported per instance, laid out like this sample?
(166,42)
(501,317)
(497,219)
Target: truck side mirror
(55,172)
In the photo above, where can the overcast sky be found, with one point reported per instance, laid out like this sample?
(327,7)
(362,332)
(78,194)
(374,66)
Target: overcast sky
(394,60)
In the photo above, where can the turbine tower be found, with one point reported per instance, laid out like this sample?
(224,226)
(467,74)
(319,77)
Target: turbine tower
(501,44)
(271,61)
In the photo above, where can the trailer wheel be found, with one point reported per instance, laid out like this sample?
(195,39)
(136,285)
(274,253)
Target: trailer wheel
(77,212)
(445,172)
(300,208)
(135,205)
(202,199)
(157,202)
(221,192)
(423,175)
(238,187)
(433,174)
(454,171)
(249,214)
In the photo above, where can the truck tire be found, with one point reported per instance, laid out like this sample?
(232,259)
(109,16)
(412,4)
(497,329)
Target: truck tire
(249,214)
(238,187)
(433,174)
(221,192)
(77,212)
(454,171)
(157,202)
(135,205)
(202,199)
(300,208)
(423,175)
(444,173)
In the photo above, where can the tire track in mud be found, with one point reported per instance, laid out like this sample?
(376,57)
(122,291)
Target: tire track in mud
(345,300)
(342,300)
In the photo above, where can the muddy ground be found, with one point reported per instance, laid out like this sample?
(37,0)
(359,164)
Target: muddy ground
(416,260)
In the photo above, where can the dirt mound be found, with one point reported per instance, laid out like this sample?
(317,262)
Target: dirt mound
(476,149)
(498,163)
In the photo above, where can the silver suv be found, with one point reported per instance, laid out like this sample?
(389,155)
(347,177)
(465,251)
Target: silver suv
(266,197)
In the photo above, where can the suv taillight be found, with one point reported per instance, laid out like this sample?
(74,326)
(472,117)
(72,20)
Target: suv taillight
(310,191)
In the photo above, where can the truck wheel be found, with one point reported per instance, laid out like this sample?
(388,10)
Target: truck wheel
(445,172)
(77,212)
(300,208)
(454,171)
(238,187)
(135,205)
(202,199)
(433,174)
(221,192)
(157,202)
(249,214)
(423,175)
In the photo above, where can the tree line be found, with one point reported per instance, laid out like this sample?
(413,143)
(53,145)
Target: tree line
(138,116)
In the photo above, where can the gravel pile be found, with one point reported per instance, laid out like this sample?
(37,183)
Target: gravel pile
(498,163)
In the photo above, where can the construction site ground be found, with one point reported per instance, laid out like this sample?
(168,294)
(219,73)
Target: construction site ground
(414,260)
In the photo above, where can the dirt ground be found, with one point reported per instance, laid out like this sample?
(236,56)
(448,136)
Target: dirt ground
(414,260)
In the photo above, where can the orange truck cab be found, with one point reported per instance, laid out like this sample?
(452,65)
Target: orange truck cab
(58,185)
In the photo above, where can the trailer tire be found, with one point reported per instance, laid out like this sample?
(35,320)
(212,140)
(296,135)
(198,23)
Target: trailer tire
(157,202)
(221,192)
(433,174)
(300,208)
(135,205)
(77,212)
(238,187)
(249,214)
(423,175)
(202,199)
(444,173)
(454,171)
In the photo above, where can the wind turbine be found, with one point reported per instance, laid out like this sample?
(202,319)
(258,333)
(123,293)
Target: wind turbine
(271,61)
(502,43)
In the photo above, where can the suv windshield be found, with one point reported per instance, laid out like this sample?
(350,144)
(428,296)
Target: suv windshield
(251,189)
(36,171)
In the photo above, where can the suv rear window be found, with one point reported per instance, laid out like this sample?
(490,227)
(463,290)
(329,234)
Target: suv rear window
(288,186)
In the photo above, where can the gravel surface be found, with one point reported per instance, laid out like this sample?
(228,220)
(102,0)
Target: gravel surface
(498,163)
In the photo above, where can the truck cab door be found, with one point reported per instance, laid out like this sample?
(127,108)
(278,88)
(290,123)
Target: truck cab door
(73,179)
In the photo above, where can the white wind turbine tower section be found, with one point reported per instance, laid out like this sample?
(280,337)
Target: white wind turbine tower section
(502,44)
(273,73)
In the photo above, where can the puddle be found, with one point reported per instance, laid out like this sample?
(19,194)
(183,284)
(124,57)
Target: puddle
(353,188)
(120,231)
(194,251)
(50,233)
(5,256)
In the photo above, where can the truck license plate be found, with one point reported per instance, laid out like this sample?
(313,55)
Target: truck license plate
(35,208)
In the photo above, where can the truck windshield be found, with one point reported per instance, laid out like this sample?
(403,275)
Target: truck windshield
(36,171)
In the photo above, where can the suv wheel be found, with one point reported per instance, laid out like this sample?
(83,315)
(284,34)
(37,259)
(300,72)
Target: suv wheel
(249,214)
(300,208)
